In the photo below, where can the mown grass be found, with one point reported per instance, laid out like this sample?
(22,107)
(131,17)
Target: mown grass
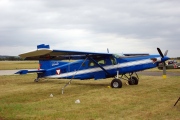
(12,65)
(153,98)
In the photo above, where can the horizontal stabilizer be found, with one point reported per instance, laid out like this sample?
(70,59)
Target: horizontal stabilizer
(21,72)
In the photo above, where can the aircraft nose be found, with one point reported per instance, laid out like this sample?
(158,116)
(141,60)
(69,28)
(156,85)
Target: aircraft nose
(165,58)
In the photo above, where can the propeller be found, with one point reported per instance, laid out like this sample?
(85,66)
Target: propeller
(163,63)
(160,52)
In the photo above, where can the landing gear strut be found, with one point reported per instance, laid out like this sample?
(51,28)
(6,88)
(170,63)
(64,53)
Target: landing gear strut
(132,80)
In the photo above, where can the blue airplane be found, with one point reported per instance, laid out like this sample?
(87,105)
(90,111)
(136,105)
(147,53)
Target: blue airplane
(88,65)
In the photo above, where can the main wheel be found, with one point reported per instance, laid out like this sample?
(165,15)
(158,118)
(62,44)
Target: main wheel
(116,83)
(133,81)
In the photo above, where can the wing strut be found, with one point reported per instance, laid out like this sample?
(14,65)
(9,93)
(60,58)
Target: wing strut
(72,77)
(99,66)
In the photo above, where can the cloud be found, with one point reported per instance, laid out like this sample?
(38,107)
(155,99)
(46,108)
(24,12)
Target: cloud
(121,26)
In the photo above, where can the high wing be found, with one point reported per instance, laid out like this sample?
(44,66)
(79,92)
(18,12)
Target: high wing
(44,52)
(136,54)
(47,54)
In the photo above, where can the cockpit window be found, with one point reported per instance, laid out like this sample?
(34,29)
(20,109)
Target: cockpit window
(100,61)
(113,61)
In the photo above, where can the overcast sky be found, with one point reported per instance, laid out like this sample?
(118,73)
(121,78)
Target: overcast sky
(123,26)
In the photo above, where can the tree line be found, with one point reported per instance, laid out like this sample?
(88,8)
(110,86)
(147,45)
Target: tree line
(10,58)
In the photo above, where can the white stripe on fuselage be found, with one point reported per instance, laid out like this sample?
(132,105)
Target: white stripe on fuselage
(108,67)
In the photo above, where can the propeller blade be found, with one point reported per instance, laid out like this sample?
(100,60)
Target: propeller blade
(160,52)
(165,54)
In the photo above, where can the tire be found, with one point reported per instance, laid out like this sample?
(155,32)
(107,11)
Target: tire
(116,83)
(133,81)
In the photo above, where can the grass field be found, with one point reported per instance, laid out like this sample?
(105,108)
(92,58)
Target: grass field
(153,98)
(23,99)
(12,65)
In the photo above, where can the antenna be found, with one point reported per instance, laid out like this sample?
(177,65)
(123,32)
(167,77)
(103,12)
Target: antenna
(107,50)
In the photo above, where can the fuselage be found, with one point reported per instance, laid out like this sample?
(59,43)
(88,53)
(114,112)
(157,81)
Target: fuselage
(87,69)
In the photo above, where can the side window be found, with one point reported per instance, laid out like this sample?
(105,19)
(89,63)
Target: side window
(101,62)
(91,64)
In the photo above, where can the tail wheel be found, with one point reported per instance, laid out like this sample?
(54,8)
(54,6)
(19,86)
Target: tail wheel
(36,80)
(116,83)
(133,81)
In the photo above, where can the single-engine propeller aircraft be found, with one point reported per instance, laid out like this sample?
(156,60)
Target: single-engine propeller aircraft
(89,65)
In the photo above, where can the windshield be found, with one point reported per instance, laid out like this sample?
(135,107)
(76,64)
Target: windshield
(118,55)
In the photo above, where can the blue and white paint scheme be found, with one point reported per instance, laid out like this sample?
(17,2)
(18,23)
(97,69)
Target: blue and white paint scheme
(88,65)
